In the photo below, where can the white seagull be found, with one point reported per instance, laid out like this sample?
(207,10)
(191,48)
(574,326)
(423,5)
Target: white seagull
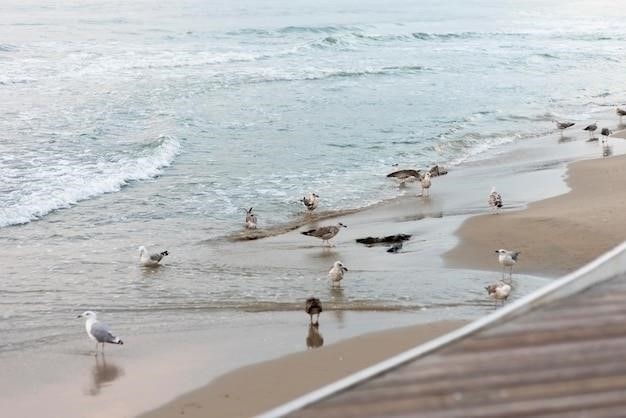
(508,259)
(311,201)
(97,331)
(495,200)
(425,182)
(150,260)
(336,273)
(499,291)
(324,232)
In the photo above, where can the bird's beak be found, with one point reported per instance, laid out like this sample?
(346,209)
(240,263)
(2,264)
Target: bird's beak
(496,251)
(79,316)
(345,268)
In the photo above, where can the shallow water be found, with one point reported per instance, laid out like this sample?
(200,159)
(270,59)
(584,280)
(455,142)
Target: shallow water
(155,124)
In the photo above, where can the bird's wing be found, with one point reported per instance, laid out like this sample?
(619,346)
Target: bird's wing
(156,257)
(101,332)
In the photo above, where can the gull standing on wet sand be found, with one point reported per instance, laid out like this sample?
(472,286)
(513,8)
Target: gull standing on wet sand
(336,273)
(591,128)
(250,219)
(508,259)
(310,201)
(98,331)
(495,200)
(499,291)
(324,232)
(563,125)
(313,306)
(426,183)
(620,113)
(150,260)
(605,132)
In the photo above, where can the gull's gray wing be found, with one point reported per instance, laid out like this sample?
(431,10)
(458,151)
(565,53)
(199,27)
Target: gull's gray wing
(101,333)
(156,257)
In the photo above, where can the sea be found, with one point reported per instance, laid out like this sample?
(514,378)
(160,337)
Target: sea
(158,123)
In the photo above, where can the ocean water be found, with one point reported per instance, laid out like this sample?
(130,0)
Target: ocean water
(156,123)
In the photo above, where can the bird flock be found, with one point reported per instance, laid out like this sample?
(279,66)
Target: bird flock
(499,290)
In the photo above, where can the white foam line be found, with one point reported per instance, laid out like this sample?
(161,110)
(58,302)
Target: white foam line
(579,280)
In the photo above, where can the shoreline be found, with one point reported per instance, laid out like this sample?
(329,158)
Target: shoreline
(555,235)
(253,389)
(245,391)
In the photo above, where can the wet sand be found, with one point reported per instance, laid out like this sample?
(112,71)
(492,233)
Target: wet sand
(556,235)
(257,388)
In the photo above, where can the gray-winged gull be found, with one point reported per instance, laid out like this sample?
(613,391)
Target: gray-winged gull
(563,125)
(324,232)
(508,259)
(591,128)
(97,331)
(150,260)
(251,220)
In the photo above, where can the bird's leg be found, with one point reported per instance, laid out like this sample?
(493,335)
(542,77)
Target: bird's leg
(311,319)
(96,349)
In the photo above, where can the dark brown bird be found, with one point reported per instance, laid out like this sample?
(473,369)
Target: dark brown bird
(313,306)
(620,112)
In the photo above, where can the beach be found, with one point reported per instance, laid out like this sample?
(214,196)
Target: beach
(159,125)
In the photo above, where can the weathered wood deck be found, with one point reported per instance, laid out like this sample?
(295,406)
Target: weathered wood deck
(564,357)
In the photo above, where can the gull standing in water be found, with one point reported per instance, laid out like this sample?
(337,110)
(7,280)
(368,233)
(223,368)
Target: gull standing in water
(591,128)
(98,331)
(336,273)
(426,183)
(563,125)
(310,201)
(150,260)
(250,219)
(508,259)
(605,132)
(499,291)
(495,200)
(324,232)
(313,306)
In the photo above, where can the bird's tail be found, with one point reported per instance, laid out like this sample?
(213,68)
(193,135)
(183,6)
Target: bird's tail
(164,253)
(308,232)
(116,340)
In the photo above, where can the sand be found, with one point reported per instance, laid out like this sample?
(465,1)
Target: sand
(556,235)
(257,388)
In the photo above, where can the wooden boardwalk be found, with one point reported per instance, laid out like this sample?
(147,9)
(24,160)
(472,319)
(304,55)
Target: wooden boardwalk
(562,358)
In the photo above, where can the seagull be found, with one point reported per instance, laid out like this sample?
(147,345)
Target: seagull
(405,176)
(620,113)
(605,132)
(336,272)
(150,260)
(395,248)
(310,201)
(563,125)
(425,181)
(324,232)
(98,331)
(508,259)
(495,200)
(499,291)
(313,306)
(591,128)
(250,219)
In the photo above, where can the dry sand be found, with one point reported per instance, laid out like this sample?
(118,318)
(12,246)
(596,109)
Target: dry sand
(556,235)
(257,388)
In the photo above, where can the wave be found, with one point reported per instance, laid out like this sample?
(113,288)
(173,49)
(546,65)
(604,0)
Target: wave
(69,185)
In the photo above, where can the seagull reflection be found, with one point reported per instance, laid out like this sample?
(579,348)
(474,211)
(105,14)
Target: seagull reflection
(102,374)
(314,339)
